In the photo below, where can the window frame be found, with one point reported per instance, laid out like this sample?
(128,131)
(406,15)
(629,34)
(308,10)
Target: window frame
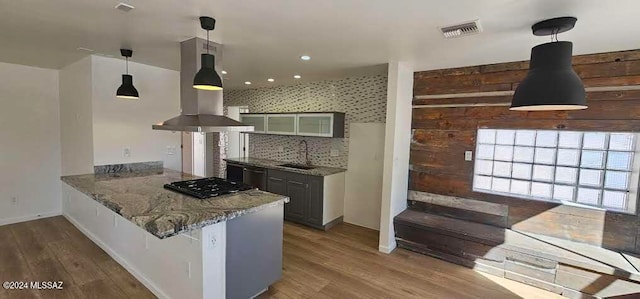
(632,190)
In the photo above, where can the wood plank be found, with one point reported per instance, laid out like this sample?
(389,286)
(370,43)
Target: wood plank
(80,267)
(499,221)
(594,96)
(45,249)
(427,139)
(459,202)
(79,240)
(13,265)
(102,289)
(52,270)
(529,271)
(481,233)
(597,284)
(124,280)
(551,287)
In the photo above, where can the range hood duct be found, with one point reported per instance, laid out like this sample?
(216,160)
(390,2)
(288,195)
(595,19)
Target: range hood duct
(202,110)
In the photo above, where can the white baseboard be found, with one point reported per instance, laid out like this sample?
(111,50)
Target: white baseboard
(387,249)
(25,218)
(146,282)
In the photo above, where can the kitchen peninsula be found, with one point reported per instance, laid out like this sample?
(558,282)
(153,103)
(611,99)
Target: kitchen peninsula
(179,246)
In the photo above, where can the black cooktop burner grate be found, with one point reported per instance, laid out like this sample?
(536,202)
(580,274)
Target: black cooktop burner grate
(207,187)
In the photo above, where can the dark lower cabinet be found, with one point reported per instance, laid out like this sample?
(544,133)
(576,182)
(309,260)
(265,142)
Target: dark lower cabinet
(276,182)
(314,200)
(305,194)
(297,192)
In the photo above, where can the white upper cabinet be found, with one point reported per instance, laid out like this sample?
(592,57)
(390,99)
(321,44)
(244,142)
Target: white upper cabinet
(258,121)
(283,124)
(321,124)
(315,124)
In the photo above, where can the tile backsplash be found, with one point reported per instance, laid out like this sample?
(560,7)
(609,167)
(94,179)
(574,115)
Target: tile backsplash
(363,99)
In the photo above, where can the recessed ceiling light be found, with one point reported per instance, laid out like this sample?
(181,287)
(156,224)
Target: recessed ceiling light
(85,49)
(305,57)
(224,72)
(124,7)
(297,76)
(247,82)
(271,80)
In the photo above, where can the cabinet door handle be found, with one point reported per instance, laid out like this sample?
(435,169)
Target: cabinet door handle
(297,183)
(276,179)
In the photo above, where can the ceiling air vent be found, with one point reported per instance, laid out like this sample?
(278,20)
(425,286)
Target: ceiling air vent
(467,28)
(124,7)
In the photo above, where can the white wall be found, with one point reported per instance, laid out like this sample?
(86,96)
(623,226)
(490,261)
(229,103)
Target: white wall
(125,123)
(76,118)
(364,175)
(30,143)
(395,178)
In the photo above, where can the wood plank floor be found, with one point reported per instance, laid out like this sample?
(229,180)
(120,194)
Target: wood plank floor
(341,263)
(52,249)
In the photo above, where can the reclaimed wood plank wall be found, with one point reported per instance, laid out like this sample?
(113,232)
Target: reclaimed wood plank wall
(441,135)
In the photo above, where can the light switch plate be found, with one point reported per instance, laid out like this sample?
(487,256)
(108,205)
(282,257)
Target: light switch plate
(468,156)
(280,149)
(171,150)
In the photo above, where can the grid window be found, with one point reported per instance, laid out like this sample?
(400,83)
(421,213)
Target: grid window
(595,169)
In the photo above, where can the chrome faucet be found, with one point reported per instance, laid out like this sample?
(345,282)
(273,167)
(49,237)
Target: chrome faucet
(306,152)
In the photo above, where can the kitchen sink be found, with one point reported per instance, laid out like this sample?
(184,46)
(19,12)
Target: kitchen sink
(297,166)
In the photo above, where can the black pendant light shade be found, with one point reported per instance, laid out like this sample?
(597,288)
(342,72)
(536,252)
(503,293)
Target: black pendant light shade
(207,78)
(127,90)
(551,83)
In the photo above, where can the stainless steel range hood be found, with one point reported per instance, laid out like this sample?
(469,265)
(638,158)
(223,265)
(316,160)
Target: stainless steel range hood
(202,110)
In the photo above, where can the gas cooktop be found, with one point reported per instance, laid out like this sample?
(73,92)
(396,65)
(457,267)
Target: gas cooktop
(207,187)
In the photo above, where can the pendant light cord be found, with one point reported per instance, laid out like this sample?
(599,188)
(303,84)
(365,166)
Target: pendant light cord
(127,64)
(207,41)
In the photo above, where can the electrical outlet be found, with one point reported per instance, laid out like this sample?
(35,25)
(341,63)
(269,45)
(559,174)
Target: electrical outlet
(280,149)
(126,152)
(115,220)
(189,269)
(211,241)
(171,150)
(468,156)
(14,201)
(335,153)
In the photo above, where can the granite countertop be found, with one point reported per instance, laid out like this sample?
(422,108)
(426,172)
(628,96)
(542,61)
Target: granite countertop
(141,198)
(273,164)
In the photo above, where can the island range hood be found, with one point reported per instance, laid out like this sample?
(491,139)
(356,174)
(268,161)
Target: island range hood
(202,110)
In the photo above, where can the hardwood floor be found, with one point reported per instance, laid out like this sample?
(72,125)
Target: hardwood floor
(341,263)
(52,249)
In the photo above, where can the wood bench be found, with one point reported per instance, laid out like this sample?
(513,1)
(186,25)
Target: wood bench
(573,269)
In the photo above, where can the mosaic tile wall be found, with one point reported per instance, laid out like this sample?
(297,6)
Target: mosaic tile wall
(363,99)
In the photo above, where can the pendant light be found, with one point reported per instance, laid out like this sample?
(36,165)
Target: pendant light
(127,90)
(207,78)
(551,83)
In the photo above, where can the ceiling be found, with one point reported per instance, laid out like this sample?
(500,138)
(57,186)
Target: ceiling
(264,39)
